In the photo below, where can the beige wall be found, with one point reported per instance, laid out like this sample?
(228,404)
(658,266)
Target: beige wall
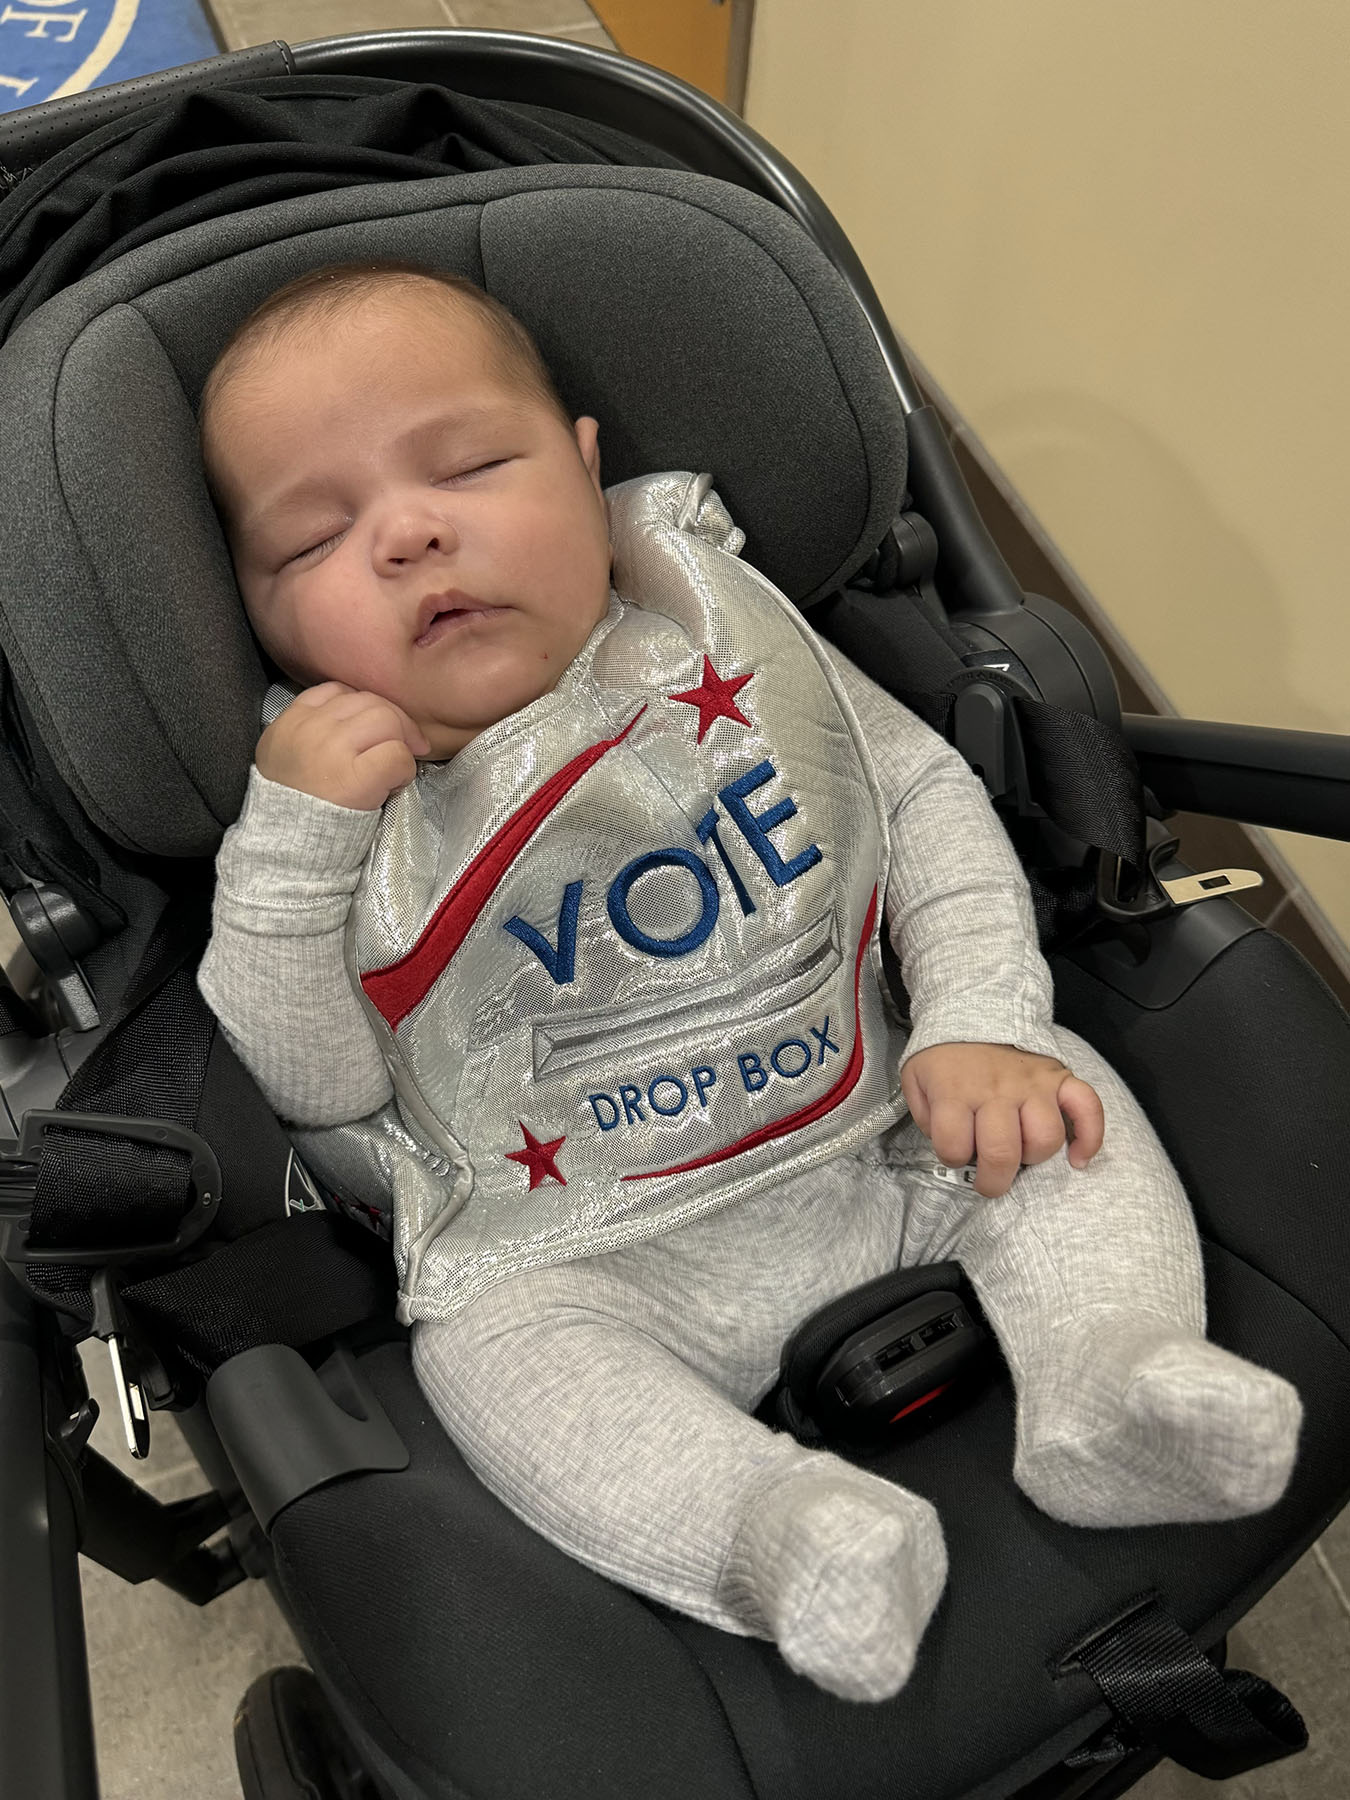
(1118,233)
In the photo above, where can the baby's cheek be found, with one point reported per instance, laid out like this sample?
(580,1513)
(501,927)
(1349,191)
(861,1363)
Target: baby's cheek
(275,641)
(340,646)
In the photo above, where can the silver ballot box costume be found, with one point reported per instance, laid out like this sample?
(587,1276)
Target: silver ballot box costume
(622,951)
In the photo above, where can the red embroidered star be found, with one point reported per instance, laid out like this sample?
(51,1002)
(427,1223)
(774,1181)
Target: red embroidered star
(537,1157)
(715,698)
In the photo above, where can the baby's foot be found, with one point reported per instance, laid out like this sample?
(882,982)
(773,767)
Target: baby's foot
(1147,1424)
(843,1570)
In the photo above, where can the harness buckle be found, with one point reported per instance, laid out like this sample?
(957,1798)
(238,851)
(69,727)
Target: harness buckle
(1185,890)
(1153,894)
(110,1325)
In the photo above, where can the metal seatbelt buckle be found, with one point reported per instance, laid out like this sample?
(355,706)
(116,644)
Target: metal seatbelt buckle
(1185,890)
(110,1325)
(1153,894)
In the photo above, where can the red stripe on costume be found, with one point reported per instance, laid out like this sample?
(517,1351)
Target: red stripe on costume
(395,990)
(805,1115)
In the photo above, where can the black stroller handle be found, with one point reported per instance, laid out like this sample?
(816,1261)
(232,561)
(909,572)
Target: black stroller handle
(1287,780)
(31,134)
(631,96)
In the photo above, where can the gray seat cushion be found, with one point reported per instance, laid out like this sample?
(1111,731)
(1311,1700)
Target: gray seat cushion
(696,321)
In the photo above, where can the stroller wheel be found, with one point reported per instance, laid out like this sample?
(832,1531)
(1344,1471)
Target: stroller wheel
(289,1745)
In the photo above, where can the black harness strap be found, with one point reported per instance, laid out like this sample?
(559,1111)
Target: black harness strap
(1082,772)
(293,1282)
(109,1191)
(261,1274)
(1170,1695)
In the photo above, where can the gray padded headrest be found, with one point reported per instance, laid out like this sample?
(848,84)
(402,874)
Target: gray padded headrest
(697,322)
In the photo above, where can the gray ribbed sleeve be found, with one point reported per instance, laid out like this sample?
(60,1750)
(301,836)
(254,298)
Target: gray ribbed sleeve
(274,973)
(957,909)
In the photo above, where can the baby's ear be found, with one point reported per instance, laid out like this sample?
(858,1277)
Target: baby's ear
(588,443)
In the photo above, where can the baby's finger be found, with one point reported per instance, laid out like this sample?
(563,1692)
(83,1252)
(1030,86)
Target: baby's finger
(375,711)
(349,703)
(369,730)
(1080,1105)
(998,1146)
(953,1133)
(916,1100)
(413,735)
(1042,1130)
(320,695)
(389,765)
(371,722)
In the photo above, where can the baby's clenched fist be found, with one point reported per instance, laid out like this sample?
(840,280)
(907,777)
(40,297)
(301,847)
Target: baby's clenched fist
(339,744)
(999,1108)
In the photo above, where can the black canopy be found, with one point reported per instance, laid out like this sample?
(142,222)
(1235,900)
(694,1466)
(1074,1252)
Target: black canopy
(230,148)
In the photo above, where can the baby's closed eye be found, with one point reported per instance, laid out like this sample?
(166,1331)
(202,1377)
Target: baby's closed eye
(477,468)
(313,551)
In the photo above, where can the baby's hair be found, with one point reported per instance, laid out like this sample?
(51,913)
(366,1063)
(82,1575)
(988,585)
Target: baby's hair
(323,295)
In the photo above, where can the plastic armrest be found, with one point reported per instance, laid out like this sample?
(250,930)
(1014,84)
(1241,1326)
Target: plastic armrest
(1288,780)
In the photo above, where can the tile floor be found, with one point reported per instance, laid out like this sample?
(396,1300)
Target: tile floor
(167,1676)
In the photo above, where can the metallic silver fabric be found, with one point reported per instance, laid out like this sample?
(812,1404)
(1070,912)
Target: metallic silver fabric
(621,951)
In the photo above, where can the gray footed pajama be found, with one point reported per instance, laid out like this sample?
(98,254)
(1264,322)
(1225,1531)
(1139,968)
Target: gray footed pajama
(606,1399)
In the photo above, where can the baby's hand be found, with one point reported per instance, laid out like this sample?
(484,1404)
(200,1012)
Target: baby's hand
(1000,1106)
(338,744)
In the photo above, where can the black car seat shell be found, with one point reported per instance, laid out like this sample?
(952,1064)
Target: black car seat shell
(468,1656)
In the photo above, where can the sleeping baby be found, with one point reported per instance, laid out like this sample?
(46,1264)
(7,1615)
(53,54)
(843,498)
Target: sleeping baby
(560,879)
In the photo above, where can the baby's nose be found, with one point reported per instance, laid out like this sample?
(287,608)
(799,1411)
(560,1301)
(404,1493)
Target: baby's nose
(410,538)
(432,543)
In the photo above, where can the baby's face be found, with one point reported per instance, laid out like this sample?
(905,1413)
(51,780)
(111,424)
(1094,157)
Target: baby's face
(407,518)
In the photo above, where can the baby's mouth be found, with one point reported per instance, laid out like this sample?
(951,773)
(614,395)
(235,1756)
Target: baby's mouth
(441,614)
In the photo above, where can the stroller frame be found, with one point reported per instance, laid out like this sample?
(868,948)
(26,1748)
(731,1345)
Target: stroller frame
(1293,780)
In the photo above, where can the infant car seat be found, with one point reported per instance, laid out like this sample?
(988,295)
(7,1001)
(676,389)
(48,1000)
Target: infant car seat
(457,1653)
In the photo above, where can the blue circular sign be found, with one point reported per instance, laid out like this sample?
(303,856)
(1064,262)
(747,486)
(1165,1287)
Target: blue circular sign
(50,48)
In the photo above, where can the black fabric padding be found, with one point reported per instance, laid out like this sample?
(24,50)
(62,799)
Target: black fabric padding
(131,650)
(448,1627)
(161,579)
(293,1282)
(113,1192)
(488,1663)
(259,1274)
(688,390)
(1246,1078)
